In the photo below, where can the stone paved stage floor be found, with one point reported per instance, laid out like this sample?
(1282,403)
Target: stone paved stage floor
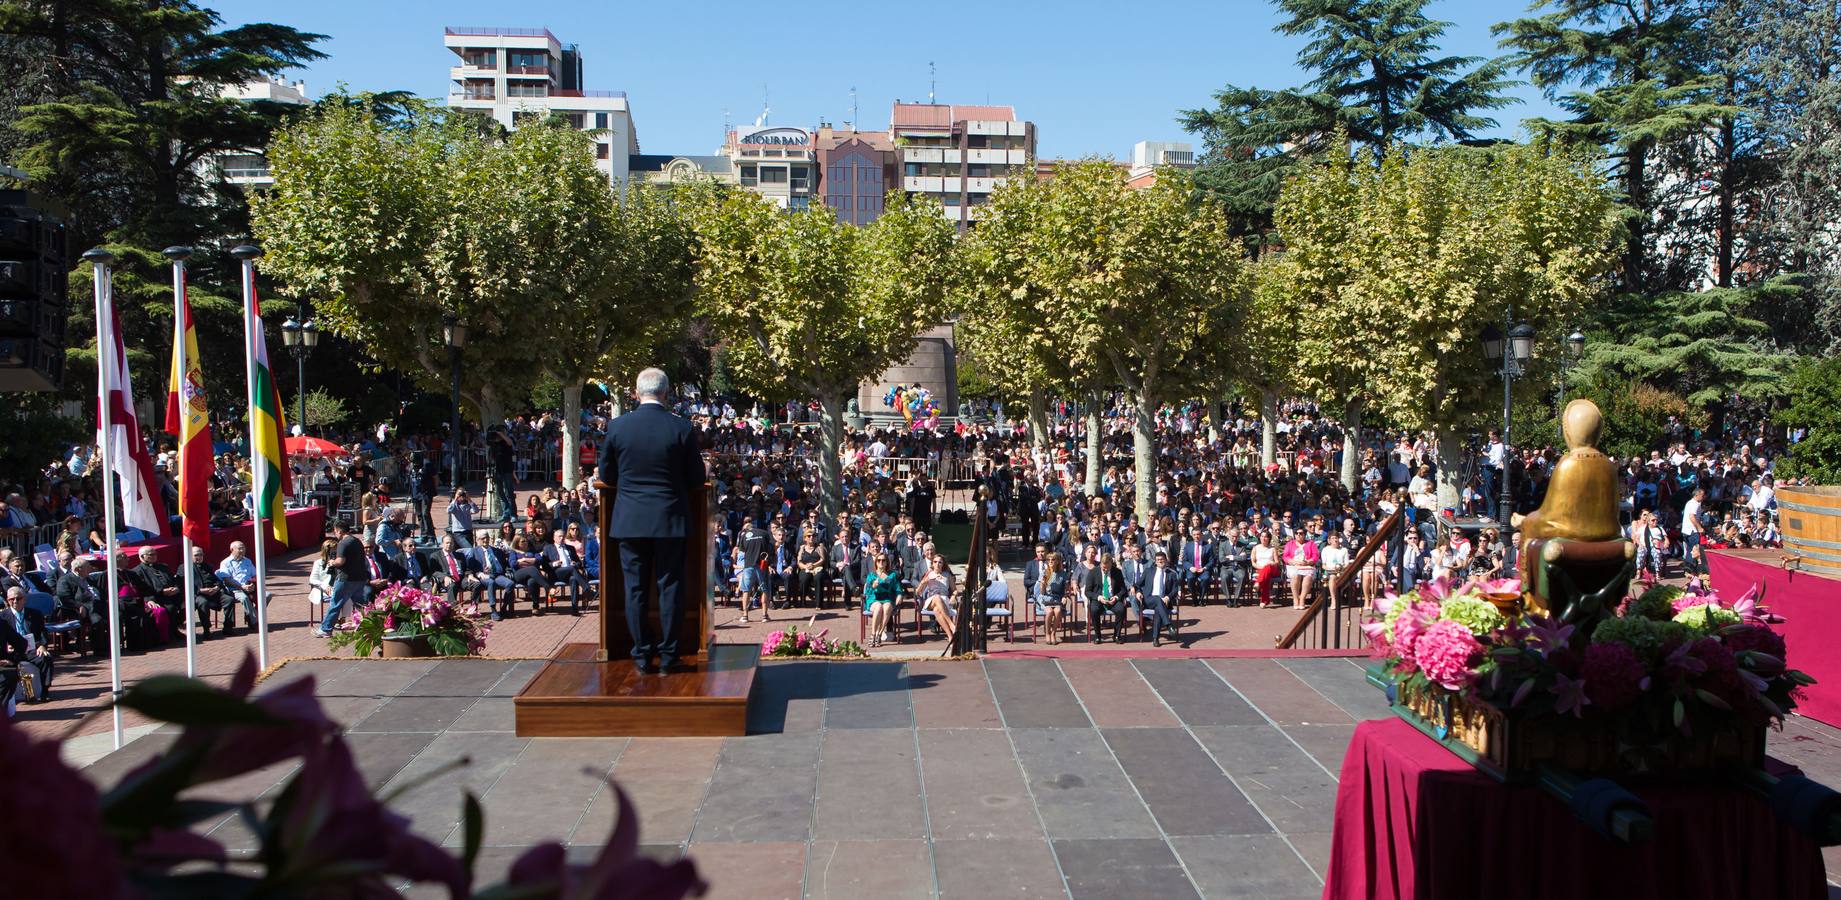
(1085,777)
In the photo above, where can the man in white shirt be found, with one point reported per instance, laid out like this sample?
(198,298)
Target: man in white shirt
(1690,529)
(1763,496)
(1495,453)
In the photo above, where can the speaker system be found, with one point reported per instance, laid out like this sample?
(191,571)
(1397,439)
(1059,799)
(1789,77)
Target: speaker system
(34,294)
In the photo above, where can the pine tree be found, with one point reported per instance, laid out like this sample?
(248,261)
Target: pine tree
(1379,80)
(1646,81)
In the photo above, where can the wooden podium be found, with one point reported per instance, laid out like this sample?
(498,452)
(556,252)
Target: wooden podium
(595,690)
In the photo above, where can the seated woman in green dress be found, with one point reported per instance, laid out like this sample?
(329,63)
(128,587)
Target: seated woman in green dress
(881,590)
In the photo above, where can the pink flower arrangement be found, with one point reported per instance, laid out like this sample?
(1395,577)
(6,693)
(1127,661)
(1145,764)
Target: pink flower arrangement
(1445,652)
(793,642)
(401,611)
(1614,676)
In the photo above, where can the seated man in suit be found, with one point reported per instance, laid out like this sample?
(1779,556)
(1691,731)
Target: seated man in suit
(81,600)
(237,574)
(457,572)
(1198,563)
(30,625)
(651,461)
(494,574)
(208,593)
(563,566)
(411,568)
(1161,584)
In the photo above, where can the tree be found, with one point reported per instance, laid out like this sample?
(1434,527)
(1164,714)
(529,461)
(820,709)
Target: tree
(1000,322)
(113,108)
(1788,86)
(1378,78)
(1644,85)
(323,410)
(1437,245)
(1815,408)
(1710,347)
(1142,286)
(1304,293)
(391,228)
(597,276)
(811,306)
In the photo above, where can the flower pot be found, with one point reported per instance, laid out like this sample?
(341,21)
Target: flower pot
(409,647)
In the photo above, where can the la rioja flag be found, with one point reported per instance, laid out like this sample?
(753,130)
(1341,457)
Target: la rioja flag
(133,468)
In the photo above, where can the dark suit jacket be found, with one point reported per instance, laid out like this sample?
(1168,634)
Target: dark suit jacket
(1186,560)
(1172,581)
(34,625)
(466,562)
(650,458)
(12,646)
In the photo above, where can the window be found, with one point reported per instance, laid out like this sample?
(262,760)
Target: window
(576,120)
(978,141)
(839,174)
(748,176)
(799,201)
(951,199)
(869,174)
(480,59)
(527,89)
(600,151)
(522,63)
(773,174)
(600,120)
(802,178)
(978,170)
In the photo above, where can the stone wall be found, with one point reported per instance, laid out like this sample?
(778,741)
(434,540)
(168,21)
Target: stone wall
(933,366)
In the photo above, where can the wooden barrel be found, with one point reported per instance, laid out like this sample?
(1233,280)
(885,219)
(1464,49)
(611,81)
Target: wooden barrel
(1810,518)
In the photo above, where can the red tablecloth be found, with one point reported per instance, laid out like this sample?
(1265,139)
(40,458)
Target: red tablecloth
(306,528)
(1415,821)
(1806,602)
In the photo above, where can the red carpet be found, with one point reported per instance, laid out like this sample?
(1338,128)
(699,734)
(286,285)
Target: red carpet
(1807,604)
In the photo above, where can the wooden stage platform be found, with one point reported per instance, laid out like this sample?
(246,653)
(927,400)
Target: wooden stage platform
(574,695)
(595,690)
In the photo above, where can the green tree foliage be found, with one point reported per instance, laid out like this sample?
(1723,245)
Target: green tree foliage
(113,108)
(1815,405)
(1712,347)
(1637,79)
(808,306)
(391,228)
(1432,248)
(1141,288)
(1378,77)
(324,410)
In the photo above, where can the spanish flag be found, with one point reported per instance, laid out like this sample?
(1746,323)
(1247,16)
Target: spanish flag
(187,419)
(266,426)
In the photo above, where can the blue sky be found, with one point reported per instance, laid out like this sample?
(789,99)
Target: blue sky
(1095,77)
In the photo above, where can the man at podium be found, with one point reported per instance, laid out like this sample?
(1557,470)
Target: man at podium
(651,461)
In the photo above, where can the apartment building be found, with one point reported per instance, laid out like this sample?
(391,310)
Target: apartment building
(958,154)
(518,74)
(248,169)
(856,171)
(1149,156)
(776,161)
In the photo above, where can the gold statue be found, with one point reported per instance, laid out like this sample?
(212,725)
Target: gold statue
(1580,506)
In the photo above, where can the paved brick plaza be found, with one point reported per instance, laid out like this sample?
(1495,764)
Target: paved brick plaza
(1081,777)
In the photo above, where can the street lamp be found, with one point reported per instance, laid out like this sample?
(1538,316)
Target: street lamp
(1575,348)
(300,335)
(454,334)
(1512,359)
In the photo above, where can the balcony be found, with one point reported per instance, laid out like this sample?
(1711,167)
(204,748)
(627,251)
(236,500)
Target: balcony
(921,184)
(485,96)
(543,71)
(923,154)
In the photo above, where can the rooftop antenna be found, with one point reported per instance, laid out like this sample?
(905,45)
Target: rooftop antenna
(931,80)
(765,109)
(853,108)
(727,126)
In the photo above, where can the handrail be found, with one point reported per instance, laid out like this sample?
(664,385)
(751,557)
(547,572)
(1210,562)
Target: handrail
(1374,544)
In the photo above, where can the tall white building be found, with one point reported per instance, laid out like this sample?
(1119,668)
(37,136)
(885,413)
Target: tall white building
(775,161)
(514,74)
(1149,156)
(249,168)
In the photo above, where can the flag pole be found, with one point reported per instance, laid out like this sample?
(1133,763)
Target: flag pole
(179,255)
(100,261)
(258,469)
